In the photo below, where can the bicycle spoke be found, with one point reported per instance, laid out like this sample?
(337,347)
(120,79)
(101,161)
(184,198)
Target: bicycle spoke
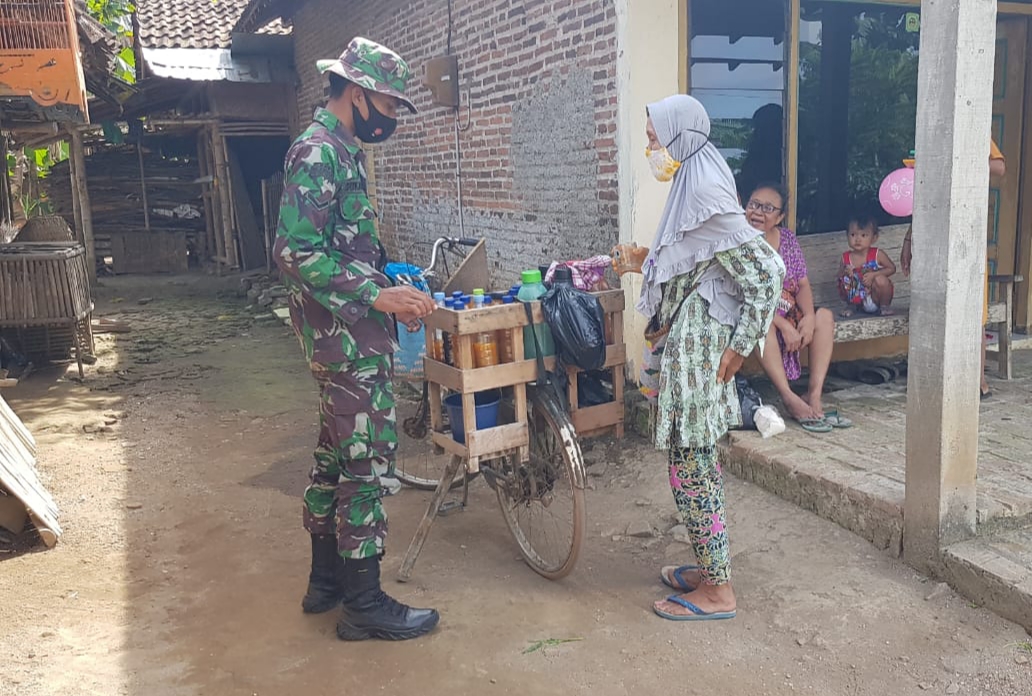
(541,503)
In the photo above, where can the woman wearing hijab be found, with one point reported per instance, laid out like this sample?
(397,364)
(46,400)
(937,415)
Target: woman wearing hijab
(711,287)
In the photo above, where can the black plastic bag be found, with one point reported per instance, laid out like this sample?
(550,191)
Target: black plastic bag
(578,326)
(750,402)
(592,388)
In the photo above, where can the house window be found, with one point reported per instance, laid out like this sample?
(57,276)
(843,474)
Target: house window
(857,107)
(738,73)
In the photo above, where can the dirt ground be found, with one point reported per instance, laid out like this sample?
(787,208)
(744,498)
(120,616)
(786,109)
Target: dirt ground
(183,561)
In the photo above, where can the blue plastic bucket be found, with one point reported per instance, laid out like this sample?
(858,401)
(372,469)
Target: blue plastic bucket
(487,412)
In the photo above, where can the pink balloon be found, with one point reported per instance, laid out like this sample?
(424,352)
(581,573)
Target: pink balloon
(897,193)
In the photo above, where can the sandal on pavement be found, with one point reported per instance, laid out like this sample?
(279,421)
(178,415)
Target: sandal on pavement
(676,572)
(696,615)
(814,425)
(833,419)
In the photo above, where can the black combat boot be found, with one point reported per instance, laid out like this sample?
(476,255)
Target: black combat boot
(368,612)
(324,589)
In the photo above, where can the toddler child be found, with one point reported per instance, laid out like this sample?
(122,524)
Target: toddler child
(864,276)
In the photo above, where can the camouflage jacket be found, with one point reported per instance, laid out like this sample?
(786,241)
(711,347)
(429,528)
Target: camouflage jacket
(329,251)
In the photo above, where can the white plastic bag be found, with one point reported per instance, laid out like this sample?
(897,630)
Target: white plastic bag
(768,421)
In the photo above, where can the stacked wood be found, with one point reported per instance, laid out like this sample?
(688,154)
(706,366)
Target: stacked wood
(174,195)
(20,480)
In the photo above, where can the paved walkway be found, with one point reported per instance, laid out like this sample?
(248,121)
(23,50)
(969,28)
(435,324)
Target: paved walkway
(859,473)
(856,478)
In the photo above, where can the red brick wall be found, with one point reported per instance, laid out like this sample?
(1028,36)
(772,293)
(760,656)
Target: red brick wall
(539,158)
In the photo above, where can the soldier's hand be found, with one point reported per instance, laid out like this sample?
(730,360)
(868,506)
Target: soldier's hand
(404,300)
(411,323)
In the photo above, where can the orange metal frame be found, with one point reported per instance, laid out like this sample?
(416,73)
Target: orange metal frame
(33,61)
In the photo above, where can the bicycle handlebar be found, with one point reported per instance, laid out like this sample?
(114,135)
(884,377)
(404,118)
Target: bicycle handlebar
(446,241)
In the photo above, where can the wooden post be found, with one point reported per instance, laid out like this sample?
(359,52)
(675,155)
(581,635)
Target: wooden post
(143,185)
(216,199)
(73,175)
(80,192)
(6,195)
(423,530)
(951,182)
(203,170)
(269,225)
(221,173)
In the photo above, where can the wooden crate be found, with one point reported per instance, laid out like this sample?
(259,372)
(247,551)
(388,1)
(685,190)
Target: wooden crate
(43,284)
(149,252)
(45,298)
(484,444)
(43,344)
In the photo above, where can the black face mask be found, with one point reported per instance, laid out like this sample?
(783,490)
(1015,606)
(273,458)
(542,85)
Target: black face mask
(366,128)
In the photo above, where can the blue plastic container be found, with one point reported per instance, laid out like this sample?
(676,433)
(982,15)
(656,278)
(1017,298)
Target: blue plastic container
(408,361)
(487,412)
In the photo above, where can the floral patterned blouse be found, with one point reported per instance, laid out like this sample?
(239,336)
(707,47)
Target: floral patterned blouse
(693,409)
(795,273)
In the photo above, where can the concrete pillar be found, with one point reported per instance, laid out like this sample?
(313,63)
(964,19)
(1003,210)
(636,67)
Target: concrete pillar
(952,180)
(649,57)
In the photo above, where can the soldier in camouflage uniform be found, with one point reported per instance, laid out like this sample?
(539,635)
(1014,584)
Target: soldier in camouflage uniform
(343,310)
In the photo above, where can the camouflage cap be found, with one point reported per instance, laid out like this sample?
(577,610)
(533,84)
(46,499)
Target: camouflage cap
(375,67)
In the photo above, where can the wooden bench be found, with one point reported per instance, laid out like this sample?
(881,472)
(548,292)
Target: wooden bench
(823,254)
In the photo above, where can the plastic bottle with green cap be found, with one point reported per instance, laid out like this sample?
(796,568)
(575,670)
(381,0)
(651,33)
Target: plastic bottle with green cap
(533,290)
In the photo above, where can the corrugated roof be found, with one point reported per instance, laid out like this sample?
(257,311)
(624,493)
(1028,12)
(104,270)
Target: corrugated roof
(205,65)
(192,23)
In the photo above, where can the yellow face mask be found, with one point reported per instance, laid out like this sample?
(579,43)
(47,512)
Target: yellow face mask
(664,167)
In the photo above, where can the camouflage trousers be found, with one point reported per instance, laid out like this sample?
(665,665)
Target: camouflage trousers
(354,460)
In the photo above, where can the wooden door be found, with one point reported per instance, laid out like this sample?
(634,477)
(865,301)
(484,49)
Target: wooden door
(1008,108)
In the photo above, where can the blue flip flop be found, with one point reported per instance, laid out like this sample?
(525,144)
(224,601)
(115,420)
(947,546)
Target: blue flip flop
(682,584)
(836,421)
(697,613)
(815,425)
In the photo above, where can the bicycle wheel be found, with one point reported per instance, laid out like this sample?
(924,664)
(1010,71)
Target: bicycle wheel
(543,500)
(417,465)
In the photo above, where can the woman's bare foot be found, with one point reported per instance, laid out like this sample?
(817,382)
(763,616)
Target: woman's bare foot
(709,598)
(798,408)
(814,400)
(886,311)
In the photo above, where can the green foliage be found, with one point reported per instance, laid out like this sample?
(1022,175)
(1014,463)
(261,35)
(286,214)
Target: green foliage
(35,207)
(536,645)
(47,157)
(117,17)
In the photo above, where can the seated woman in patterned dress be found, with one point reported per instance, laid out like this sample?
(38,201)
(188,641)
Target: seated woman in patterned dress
(798,324)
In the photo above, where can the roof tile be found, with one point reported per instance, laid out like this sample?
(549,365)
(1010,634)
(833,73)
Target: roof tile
(191,23)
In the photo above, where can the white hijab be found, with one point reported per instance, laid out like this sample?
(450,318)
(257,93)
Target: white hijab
(702,215)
